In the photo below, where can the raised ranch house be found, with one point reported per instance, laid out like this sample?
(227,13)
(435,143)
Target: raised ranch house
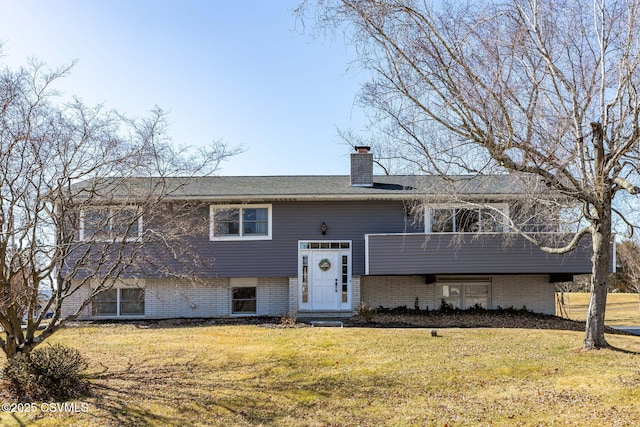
(321,245)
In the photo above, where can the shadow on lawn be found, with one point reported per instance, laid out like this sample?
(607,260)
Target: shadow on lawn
(120,392)
(183,393)
(622,350)
(152,392)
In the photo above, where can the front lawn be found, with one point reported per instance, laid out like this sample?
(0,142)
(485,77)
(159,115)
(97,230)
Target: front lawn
(162,375)
(622,309)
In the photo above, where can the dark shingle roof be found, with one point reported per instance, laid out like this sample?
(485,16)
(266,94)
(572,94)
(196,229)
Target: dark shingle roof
(254,188)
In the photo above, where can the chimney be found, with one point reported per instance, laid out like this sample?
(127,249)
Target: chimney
(362,167)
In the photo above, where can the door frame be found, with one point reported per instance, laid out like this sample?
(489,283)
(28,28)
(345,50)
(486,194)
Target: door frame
(343,248)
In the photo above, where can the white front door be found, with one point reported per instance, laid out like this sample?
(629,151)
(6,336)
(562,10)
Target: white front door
(324,275)
(325,280)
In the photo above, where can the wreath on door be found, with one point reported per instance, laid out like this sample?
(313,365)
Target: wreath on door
(324,264)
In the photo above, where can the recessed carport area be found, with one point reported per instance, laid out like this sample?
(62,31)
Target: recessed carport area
(492,270)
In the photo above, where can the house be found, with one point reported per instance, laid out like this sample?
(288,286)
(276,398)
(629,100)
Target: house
(321,245)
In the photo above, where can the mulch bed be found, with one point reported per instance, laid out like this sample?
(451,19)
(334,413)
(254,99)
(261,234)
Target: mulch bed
(386,319)
(487,319)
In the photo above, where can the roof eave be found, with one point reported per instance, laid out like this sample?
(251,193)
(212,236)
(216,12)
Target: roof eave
(342,197)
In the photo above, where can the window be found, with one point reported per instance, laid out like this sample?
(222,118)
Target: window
(103,223)
(119,302)
(243,300)
(466,295)
(106,303)
(345,279)
(131,302)
(452,295)
(466,220)
(305,279)
(251,222)
(325,245)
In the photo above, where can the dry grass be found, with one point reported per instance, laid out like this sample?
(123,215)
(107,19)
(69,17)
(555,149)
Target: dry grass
(146,375)
(622,309)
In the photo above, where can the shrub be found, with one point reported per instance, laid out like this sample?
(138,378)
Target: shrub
(365,312)
(52,372)
(477,308)
(446,307)
(288,321)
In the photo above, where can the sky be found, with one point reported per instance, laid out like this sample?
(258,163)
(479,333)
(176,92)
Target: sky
(236,71)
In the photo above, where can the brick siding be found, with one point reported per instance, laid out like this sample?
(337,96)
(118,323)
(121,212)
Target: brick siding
(277,296)
(397,291)
(533,291)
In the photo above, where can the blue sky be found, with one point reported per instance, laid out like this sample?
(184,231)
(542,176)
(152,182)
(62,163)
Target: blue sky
(236,71)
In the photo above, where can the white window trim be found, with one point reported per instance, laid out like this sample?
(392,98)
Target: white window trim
(504,207)
(213,208)
(112,209)
(118,290)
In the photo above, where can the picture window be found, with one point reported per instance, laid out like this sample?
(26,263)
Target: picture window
(250,222)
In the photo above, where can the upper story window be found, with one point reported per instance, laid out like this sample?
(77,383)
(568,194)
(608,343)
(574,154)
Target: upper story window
(233,222)
(110,223)
(447,219)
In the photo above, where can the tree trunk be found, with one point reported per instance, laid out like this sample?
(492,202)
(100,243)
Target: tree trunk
(601,240)
(11,347)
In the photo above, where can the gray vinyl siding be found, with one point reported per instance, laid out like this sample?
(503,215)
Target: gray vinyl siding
(451,253)
(291,223)
(295,221)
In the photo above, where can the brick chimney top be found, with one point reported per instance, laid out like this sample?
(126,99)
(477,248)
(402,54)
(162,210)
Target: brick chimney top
(362,167)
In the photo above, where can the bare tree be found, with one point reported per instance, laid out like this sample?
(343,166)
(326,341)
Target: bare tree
(628,253)
(537,88)
(74,184)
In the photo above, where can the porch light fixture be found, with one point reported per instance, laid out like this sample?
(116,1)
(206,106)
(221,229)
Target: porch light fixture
(323,228)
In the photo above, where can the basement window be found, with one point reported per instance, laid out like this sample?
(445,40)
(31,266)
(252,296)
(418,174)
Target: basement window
(465,295)
(243,300)
(119,302)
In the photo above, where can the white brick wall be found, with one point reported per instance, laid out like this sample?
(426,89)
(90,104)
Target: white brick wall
(355,292)
(279,295)
(273,296)
(533,291)
(73,301)
(167,299)
(396,291)
(293,295)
